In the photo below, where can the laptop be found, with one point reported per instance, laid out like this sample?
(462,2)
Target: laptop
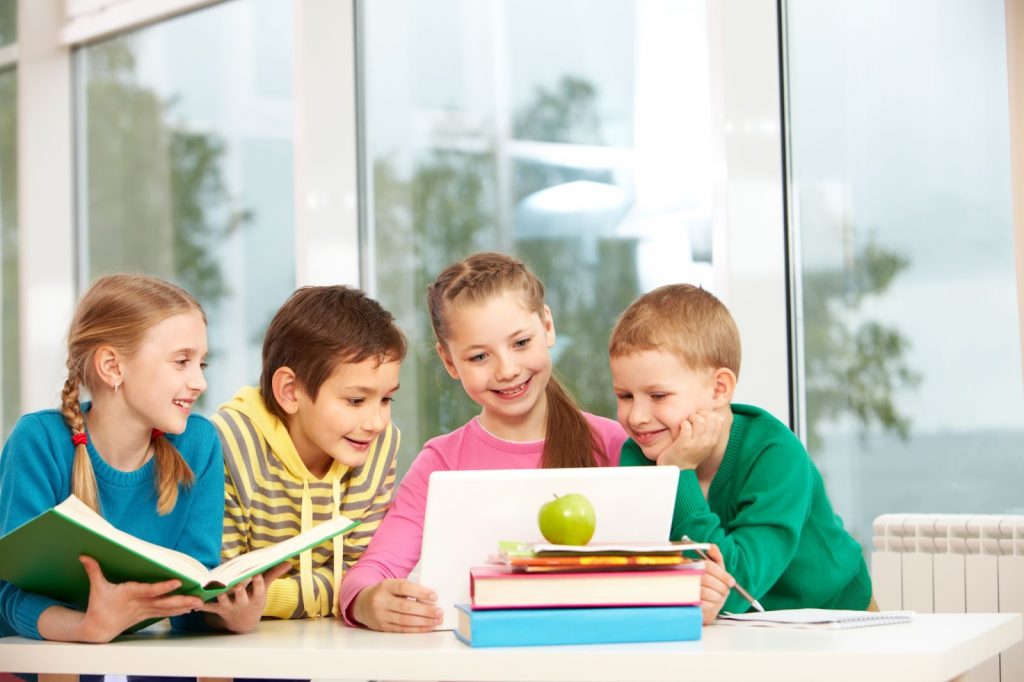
(469,512)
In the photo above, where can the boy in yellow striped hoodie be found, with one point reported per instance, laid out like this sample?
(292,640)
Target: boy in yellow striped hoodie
(314,440)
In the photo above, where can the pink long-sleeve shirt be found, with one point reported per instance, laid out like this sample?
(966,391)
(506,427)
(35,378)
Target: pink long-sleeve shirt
(396,545)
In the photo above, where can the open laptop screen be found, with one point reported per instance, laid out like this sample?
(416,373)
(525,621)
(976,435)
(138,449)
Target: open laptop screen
(469,512)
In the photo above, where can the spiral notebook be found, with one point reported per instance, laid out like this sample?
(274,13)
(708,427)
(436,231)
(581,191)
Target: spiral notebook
(828,619)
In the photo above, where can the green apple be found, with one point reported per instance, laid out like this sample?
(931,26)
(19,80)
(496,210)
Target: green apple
(567,520)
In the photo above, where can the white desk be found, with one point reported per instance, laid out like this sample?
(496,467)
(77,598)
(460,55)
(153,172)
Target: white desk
(932,648)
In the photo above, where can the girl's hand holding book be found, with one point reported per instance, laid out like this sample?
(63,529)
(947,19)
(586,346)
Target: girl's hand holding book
(113,608)
(241,608)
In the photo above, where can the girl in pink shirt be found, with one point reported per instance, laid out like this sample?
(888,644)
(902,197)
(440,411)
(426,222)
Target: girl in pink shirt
(494,334)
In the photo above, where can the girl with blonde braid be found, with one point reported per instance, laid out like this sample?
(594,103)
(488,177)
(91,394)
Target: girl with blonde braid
(136,454)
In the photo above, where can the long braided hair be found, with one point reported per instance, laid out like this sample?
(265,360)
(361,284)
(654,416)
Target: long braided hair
(117,311)
(569,440)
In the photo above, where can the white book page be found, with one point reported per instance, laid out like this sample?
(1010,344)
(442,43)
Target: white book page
(265,557)
(75,510)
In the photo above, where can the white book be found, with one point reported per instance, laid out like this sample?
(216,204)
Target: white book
(816,618)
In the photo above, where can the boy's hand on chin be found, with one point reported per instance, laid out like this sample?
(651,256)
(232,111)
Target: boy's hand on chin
(698,436)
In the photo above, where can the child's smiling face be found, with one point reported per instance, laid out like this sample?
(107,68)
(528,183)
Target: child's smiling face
(164,377)
(352,408)
(655,392)
(499,350)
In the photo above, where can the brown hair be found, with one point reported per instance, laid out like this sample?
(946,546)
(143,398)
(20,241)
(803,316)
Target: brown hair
(681,319)
(319,327)
(118,310)
(569,440)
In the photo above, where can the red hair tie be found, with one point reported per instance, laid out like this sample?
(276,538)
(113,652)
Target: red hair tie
(156,434)
(79,439)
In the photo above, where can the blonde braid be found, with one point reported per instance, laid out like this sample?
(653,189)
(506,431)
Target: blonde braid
(83,478)
(171,469)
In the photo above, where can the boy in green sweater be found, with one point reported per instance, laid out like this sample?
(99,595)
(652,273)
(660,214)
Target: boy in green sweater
(746,482)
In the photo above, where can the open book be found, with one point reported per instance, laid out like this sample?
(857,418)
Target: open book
(41,555)
(513,548)
(816,618)
(540,557)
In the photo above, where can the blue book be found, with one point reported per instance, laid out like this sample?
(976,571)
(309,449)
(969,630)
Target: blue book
(538,627)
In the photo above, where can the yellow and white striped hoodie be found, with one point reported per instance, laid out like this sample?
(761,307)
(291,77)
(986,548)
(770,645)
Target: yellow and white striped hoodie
(270,495)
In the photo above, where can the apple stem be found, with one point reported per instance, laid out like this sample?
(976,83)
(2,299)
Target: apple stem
(554,495)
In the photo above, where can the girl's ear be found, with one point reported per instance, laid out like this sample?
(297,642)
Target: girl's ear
(286,389)
(106,361)
(724,386)
(446,358)
(549,327)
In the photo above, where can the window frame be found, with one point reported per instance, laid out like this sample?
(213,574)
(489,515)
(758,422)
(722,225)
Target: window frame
(750,205)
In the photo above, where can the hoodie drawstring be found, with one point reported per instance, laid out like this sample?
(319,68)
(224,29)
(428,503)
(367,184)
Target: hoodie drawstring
(306,558)
(339,563)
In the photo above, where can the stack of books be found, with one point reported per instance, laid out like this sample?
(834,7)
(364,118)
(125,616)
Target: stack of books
(538,594)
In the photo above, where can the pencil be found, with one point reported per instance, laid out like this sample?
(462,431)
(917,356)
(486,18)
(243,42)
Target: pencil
(736,586)
(746,595)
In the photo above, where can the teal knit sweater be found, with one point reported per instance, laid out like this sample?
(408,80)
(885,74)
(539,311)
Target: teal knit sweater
(35,474)
(768,512)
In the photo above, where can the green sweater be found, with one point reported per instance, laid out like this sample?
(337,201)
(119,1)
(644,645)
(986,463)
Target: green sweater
(768,512)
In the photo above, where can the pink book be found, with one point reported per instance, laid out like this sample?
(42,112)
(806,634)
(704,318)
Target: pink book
(498,587)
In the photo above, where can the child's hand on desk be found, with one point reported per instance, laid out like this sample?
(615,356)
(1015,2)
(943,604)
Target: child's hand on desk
(397,606)
(240,608)
(714,585)
(698,435)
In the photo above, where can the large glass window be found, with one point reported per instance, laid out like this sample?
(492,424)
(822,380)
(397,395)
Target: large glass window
(901,193)
(185,168)
(575,137)
(10,365)
(8,22)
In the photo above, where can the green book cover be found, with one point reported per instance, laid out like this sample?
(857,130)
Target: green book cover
(41,556)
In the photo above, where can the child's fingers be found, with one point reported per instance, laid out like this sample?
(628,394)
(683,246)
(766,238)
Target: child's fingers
(237,596)
(714,569)
(700,424)
(240,589)
(402,627)
(716,572)
(411,590)
(417,609)
(272,574)
(240,594)
(219,606)
(715,554)
(709,612)
(175,605)
(411,617)
(713,589)
(257,588)
(407,607)
(92,570)
(151,590)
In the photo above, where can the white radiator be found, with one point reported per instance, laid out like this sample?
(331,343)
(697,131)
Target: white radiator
(953,563)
